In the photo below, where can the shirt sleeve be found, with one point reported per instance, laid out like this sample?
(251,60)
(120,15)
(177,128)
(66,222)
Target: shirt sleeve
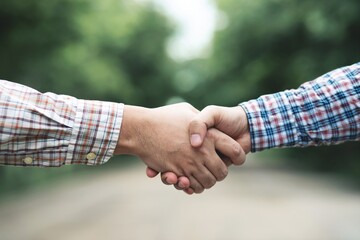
(320,112)
(51,130)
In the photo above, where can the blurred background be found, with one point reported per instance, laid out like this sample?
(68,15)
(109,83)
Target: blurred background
(156,52)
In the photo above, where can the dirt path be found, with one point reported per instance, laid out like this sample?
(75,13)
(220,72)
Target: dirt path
(254,202)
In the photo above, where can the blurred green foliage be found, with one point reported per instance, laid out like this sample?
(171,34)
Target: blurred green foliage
(267,46)
(110,50)
(271,45)
(115,50)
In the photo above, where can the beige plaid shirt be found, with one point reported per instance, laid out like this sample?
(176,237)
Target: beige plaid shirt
(50,130)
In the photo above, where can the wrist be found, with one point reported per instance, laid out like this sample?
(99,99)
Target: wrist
(134,120)
(245,140)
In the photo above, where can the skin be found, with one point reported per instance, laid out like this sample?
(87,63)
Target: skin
(229,120)
(160,137)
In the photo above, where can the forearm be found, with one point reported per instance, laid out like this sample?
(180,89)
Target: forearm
(52,130)
(321,112)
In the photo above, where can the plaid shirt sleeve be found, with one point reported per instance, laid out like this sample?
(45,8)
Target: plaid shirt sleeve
(320,112)
(52,130)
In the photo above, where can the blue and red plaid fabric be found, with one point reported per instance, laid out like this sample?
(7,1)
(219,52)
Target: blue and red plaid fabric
(320,112)
(51,130)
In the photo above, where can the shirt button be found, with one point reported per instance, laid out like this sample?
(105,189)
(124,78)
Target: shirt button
(91,156)
(28,160)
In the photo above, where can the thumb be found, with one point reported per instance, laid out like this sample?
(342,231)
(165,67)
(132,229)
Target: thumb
(199,125)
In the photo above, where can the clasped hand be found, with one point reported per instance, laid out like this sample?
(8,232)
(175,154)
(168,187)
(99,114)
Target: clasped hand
(192,150)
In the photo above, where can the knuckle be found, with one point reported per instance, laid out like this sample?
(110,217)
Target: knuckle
(188,106)
(236,151)
(209,108)
(241,157)
(194,124)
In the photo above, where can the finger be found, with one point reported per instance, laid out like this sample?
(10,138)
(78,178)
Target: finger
(151,173)
(228,146)
(189,191)
(195,185)
(178,188)
(224,158)
(227,161)
(183,182)
(199,125)
(169,178)
(216,166)
(205,177)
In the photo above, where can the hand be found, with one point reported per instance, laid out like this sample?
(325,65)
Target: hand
(182,183)
(230,120)
(160,138)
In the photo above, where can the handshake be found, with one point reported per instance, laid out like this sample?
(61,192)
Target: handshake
(192,150)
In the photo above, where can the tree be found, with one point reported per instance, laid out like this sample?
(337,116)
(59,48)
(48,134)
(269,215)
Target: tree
(272,45)
(110,50)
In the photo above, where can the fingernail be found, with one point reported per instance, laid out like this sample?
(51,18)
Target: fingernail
(195,139)
(181,185)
